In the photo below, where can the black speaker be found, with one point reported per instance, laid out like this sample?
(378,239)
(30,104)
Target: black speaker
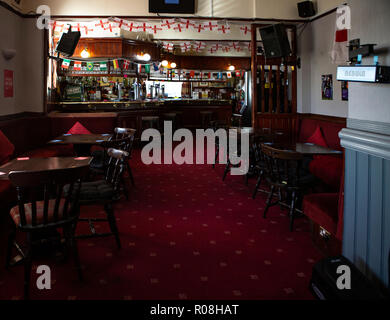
(275,41)
(68,43)
(306,9)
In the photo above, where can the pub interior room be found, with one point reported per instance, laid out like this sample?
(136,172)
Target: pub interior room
(213,150)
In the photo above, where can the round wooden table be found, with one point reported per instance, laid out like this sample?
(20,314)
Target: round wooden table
(42,164)
(82,142)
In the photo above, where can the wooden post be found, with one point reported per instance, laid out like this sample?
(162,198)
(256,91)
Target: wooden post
(254,73)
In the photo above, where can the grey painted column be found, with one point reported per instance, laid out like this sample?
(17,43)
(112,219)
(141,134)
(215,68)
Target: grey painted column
(366,239)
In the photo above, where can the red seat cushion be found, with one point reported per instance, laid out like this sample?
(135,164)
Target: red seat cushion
(78,128)
(51,151)
(318,138)
(327,168)
(6,148)
(322,208)
(15,214)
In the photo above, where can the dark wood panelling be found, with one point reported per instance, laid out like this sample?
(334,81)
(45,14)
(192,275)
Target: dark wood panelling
(212,63)
(320,117)
(115,48)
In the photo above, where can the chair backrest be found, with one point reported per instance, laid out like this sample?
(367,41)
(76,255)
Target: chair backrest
(120,133)
(47,188)
(125,133)
(115,167)
(282,166)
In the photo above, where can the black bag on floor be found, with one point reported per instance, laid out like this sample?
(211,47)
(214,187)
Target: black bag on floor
(325,281)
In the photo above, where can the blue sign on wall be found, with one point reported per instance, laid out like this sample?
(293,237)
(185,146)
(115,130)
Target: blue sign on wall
(172,1)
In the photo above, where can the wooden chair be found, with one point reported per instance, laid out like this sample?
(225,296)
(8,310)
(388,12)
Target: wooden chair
(284,175)
(105,192)
(123,139)
(42,209)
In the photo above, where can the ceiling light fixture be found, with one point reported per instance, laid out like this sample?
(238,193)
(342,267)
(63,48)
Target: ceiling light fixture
(85,53)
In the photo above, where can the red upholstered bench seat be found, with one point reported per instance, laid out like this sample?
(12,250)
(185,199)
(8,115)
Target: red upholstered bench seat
(323,209)
(324,133)
(327,168)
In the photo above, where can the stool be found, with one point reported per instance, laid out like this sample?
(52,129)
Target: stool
(206,117)
(152,121)
(171,116)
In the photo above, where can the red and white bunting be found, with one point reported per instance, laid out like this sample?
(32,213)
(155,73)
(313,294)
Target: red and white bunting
(217,46)
(168,24)
(85,30)
(56,26)
(234,45)
(154,29)
(120,23)
(224,29)
(249,46)
(245,30)
(199,45)
(132,27)
(178,28)
(238,49)
(76,27)
(185,46)
(198,27)
(210,26)
(168,46)
(186,23)
(109,27)
(211,50)
(226,49)
(102,23)
(144,27)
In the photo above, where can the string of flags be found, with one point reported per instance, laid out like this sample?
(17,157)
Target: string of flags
(124,64)
(175,24)
(117,64)
(199,46)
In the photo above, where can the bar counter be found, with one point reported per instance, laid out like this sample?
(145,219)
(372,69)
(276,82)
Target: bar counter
(129,114)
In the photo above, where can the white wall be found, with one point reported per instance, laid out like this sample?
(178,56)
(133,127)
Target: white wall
(371,101)
(314,46)
(10,33)
(277,9)
(22,35)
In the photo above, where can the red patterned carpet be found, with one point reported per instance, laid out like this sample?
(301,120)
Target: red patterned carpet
(185,235)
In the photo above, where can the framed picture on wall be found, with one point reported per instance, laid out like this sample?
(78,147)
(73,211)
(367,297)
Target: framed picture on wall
(344,90)
(327,87)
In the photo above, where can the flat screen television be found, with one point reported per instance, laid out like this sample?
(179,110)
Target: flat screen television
(172,6)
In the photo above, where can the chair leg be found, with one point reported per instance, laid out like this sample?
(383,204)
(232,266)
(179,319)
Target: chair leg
(258,183)
(72,245)
(216,156)
(269,201)
(292,210)
(227,168)
(27,267)
(111,220)
(130,174)
(125,190)
(11,240)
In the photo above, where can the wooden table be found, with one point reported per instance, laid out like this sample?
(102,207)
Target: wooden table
(42,164)
(307,149)
(81,142)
